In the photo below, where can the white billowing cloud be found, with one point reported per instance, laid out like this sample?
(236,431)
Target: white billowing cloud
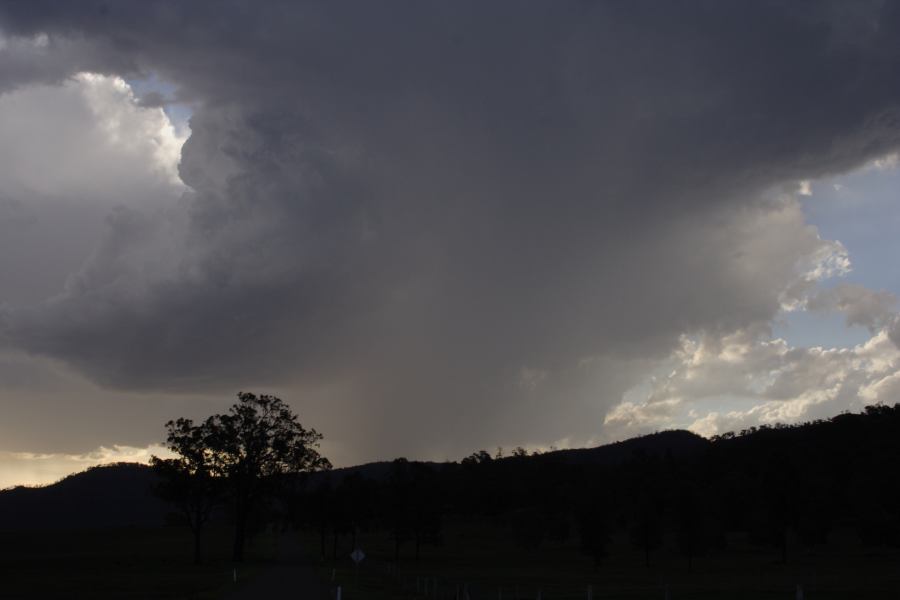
(131,128)
(79,160)
(885,389)
(86,141)
(85,173)
(632,417)
(28,468)
(763,380)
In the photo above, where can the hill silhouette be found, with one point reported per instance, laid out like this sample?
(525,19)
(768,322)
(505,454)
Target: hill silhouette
(117,495)
(835,472)
(120,495)
(677,443)
(818,497)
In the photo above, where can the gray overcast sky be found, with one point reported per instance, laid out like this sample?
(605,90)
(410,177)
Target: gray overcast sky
(435,227)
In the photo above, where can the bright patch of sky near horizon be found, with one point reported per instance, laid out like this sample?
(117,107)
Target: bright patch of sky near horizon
(26,468)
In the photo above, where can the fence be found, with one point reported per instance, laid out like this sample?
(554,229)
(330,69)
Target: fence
(383,581)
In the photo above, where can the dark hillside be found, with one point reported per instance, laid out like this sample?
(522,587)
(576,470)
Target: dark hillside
(678,444)
(101,497)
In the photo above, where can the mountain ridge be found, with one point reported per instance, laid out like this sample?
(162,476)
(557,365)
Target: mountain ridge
(120,494)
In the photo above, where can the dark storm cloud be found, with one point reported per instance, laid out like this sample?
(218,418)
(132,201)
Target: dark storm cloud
(424,201)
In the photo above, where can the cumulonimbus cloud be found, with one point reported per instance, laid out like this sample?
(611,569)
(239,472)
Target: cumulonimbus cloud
(417,205)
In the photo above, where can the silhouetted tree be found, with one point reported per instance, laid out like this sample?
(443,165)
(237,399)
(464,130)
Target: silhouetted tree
(779,489)
(254,445)
(816,512)
(528,527)
(697,527)
(593,506)
(647,503)
(646,528)
(398,511)
(426,506)
(594,529)
(359,498)
(477,458)
(313,508)
(188,481)
(337,518)
(550,489)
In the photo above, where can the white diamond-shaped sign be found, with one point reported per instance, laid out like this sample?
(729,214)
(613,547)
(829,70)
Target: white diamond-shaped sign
(357,555)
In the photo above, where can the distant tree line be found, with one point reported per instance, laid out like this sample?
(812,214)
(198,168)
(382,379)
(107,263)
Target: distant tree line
(769,483)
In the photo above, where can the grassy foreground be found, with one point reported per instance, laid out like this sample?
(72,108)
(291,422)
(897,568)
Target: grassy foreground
(481,559)
(121,564)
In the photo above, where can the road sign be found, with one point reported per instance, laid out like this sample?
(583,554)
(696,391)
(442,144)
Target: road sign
(357,555)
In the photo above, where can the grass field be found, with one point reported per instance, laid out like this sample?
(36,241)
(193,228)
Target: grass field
(121,564)
(477,557)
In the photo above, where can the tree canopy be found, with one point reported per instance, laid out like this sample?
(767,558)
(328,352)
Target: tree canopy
(242,456)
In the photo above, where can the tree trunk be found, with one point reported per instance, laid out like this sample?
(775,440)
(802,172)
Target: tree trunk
(418,543)
(323,533)
(784,542)
(690,550)
(334,540)
(240,532)
(647,549)
(195,520)
(196,545)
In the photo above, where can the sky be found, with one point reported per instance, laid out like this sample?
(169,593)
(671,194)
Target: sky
(438,227)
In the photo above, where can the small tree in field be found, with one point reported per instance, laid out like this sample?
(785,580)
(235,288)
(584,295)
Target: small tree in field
(254,446)
(188,481)
(240,456)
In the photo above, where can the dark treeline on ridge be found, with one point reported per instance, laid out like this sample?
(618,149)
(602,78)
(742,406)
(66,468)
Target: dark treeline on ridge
(780,486)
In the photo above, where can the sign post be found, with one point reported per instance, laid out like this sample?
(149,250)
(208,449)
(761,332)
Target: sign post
(357,555)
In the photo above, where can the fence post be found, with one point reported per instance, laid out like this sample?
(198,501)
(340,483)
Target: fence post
(590,594)
(338,594)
